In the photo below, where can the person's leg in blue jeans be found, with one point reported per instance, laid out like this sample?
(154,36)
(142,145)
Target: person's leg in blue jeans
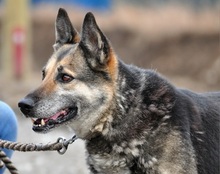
(8,127)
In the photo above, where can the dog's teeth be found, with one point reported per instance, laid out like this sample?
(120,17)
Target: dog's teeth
(42,122)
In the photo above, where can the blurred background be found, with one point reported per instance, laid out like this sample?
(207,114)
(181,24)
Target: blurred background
(180,39)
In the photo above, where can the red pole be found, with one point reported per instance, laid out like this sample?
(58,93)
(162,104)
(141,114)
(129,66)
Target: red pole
(18,37)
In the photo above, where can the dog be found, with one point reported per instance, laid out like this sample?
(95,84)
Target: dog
(133,120)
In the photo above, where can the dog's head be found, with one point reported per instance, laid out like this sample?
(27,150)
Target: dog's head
(78,81)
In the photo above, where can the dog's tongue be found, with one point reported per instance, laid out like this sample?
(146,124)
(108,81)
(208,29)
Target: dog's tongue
(55,116)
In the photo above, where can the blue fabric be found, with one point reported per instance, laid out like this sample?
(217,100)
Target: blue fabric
(91,4)
(8,126)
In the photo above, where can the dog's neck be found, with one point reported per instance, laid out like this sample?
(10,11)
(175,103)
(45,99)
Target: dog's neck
(135,102)
(127,103)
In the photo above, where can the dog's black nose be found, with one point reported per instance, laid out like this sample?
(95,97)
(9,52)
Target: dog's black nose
(26,105)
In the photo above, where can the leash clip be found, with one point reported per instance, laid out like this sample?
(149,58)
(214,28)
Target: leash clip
(65,143)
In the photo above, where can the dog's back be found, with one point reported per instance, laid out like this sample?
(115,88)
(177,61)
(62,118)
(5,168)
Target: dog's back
(204,129)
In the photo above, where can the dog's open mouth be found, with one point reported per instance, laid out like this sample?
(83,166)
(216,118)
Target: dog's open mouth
(45,124)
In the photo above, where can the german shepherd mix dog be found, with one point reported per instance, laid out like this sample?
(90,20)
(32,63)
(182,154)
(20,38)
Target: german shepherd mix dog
(132,120)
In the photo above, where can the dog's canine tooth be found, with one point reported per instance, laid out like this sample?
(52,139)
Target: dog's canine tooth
(42,122)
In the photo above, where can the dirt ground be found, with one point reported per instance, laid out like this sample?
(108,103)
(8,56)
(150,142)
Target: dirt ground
(180,43)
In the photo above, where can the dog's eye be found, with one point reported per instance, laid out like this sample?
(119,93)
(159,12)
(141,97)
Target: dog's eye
(66,78)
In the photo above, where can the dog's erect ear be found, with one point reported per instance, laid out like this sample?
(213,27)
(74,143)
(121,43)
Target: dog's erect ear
(94,43)
(65,33)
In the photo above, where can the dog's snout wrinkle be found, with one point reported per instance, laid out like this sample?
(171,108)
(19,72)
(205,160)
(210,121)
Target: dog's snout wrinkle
(26,105)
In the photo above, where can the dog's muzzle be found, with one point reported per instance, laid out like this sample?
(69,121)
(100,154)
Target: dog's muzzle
(46,123)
